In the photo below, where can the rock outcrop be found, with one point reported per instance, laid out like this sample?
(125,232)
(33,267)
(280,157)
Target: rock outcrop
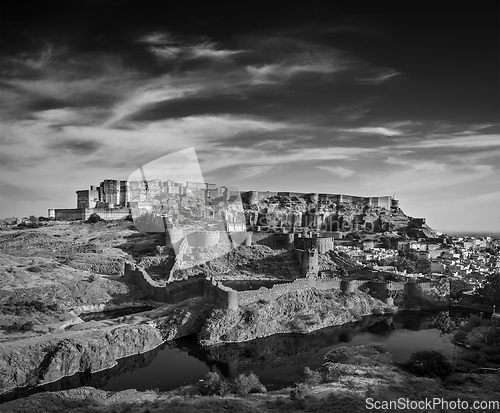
(36,361)
(294,312)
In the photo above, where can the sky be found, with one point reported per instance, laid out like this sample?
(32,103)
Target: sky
(367,99)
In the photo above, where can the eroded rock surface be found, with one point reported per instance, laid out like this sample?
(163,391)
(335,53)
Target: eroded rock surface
(294,312)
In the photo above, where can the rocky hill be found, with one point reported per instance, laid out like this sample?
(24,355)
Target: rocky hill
(293,312)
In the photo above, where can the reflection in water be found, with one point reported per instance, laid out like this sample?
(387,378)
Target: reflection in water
(278,360)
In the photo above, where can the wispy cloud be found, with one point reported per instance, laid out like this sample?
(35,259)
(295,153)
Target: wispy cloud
(379,76)
(337,170)
(455,141)
(167,46)
(374,130)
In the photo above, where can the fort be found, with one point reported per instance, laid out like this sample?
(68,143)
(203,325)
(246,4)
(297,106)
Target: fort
(116,199)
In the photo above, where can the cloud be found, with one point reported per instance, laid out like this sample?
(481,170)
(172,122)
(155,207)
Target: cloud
(248,171)
(337,170)
(454,141)
(156,38)
(379,76)
(76,147)
(294,60)
(374,130)
(20,193)
(167,47)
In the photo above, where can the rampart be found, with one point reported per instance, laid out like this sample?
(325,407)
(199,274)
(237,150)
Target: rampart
(437,292)
(107,214)
(171,293)
(308,261)
(216,293)
(225,297)
(323,244)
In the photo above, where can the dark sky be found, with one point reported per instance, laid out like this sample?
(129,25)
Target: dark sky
(368,99)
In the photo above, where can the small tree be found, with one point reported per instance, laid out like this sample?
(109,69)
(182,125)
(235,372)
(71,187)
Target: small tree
(491,290)
(248,384)
(312,377)
(93,218)
(429,363)
(213,385)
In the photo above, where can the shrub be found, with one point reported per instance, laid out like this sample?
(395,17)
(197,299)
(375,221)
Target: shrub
(249,315)
(18,327)
(300,392)
(213,385)
(355,313)
(297,324)
(429,363)
(248,384)
(338,355)
(312,377)
(93,218)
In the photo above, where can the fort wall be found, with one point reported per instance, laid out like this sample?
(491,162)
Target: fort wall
(437,292)
(107,214)
(172,293)
(69,214)
(225,297)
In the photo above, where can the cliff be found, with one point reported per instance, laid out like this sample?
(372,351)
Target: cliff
(293,312)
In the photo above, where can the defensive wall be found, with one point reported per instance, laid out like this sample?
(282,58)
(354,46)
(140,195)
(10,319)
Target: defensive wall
(107,214)
(308,261)
(171,293)
(437,292)
(225,297)
(322,244)
(217,293)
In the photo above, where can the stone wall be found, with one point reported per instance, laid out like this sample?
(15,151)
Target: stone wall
(323,244)
(270,239)
(216,293)
(437,292)
(108,214)
(172,293)
(308,261)
(225,297)
(69,214)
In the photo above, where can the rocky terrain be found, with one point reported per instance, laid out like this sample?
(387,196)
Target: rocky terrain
(51,275)
(94,346)
(293,312)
